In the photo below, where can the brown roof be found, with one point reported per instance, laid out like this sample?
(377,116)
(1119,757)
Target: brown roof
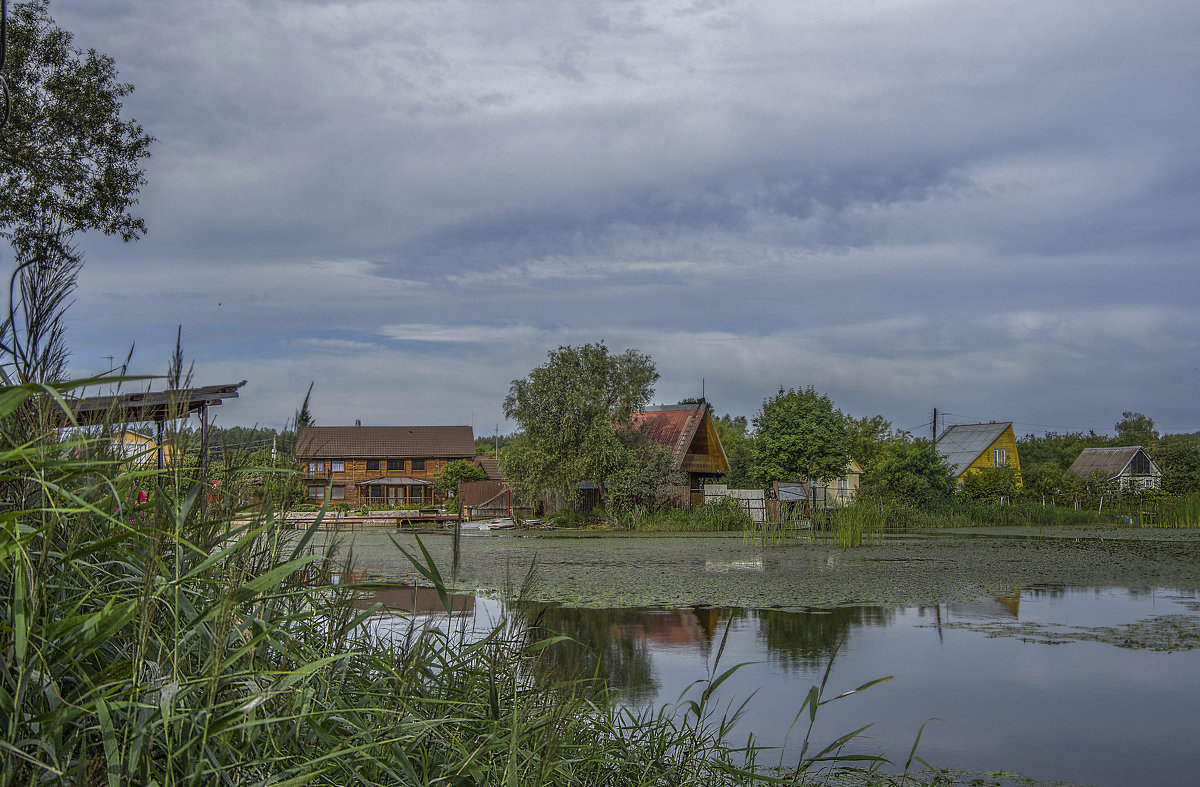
(674,427)
(384,442)
(491,467)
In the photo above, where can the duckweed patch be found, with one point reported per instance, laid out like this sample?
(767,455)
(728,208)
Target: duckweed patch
(913,570)
(1158,632)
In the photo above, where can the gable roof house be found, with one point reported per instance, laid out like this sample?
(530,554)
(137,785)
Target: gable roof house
(1129,467)
(688,431)
(970,447)
(378,465)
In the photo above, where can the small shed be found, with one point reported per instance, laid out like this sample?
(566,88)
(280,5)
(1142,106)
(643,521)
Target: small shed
(1129,467)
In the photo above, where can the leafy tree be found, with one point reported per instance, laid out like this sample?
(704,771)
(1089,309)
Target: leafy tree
(447,478)
(917,477)
(1179,458)
(1048,482)
(873,440)
(1135,429)
(734,433)
(800,434)
(990,483)
(575,414)
(643,483)
(68,160)
(1059,449)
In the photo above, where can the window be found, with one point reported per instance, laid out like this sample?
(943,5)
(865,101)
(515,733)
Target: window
(1000,457)
(395,464)
(418,464)
(337,492)
(843,487)
(337,466)
(316,492)
(376,489)
(372,465)
(316,467)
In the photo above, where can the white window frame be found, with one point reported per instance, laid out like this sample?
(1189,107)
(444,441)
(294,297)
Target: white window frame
(337,465)
(1000,457)
(316,466)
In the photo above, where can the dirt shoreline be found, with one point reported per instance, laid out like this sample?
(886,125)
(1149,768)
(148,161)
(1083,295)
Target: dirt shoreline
(920,568)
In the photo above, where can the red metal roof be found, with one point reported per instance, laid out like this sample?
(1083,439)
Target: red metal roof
(666,427)
(384,442)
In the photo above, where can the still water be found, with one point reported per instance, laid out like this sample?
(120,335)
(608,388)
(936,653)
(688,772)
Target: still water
(1052,683)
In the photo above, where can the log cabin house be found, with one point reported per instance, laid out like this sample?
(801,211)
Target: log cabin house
(378,465)
(688,431)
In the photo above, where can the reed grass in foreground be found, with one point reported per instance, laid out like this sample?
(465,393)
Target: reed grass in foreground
(156,643)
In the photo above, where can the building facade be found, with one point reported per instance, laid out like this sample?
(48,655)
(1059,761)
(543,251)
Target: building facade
(378,465)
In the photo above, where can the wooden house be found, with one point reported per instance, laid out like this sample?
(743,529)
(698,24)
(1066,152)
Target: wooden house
(1128,467)
(967,448)
(378,465)
(688,431)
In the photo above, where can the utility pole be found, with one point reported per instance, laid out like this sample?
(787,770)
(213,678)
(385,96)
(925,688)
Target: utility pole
(935,427)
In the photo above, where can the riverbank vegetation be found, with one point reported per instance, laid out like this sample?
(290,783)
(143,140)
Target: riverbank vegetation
(148,640)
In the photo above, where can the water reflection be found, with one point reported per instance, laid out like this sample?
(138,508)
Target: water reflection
(1095,711)
(807,640)
(615,645)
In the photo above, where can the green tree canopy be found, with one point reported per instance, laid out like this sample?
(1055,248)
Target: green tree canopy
(575,414)
(447,479)
(734,432)
(1135,429)
(1179,458)
(916,477)
(800,434)
(68,160)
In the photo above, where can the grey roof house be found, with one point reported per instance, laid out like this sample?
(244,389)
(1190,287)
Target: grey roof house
(1129,467)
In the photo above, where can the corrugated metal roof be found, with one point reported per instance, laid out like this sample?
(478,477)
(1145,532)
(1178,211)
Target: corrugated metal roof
(1112,461)
(962,444)
(673,426)
(791,492)
(384,442)
(151,405)
(394,480)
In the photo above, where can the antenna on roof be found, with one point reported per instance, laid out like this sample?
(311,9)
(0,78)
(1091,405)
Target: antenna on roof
(702,390)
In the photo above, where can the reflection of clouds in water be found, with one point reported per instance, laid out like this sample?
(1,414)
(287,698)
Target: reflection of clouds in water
(725,566)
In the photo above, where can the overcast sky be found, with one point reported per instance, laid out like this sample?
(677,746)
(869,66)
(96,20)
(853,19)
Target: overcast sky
(989,208)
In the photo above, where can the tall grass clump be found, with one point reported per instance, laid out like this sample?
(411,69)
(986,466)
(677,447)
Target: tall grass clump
(721,516)
(853,525)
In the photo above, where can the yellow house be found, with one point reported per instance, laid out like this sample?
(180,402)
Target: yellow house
(970,447)
(141,448)
(839,491)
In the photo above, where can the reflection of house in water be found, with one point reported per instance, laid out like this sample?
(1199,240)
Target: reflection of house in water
(695,626)
(415,600)
(1005,604)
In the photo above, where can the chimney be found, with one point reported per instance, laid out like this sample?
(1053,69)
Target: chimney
(357,422)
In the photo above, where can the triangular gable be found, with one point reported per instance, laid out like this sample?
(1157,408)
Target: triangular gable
(961,445)
(680,428)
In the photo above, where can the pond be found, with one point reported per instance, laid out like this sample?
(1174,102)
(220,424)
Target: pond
(1090,684)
